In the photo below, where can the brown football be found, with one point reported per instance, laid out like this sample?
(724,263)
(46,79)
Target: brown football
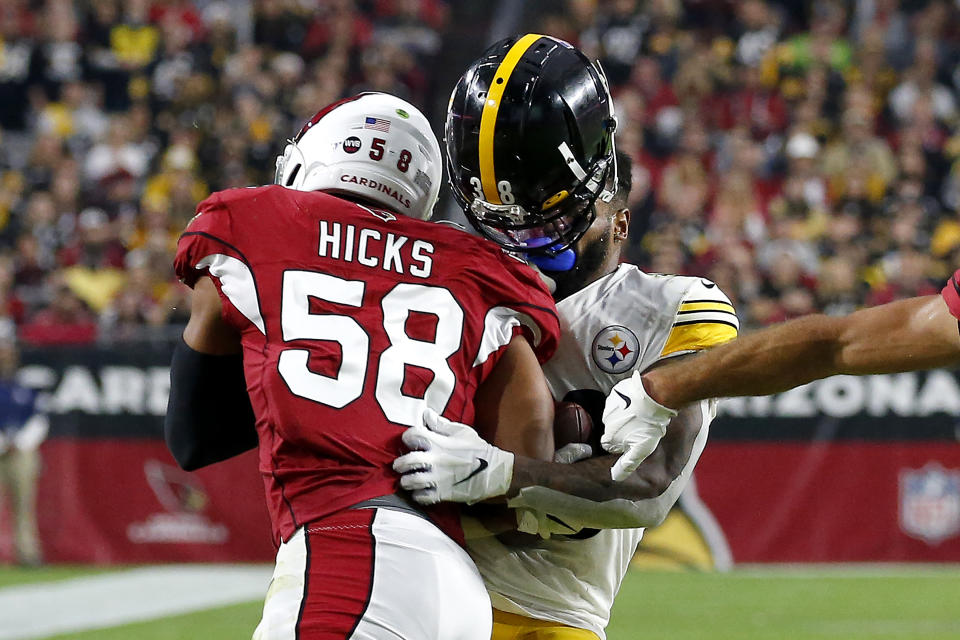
(571,423)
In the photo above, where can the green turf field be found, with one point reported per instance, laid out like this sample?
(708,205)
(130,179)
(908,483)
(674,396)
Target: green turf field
(785,603)
(228,623)
(10,576)
(781,602)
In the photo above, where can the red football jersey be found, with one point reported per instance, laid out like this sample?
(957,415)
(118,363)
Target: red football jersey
(951,294)
(351,319)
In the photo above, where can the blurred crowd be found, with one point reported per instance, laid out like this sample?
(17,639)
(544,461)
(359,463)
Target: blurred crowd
(805,155)
(118,116)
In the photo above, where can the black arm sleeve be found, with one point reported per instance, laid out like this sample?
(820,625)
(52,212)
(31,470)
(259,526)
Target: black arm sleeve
(209,417)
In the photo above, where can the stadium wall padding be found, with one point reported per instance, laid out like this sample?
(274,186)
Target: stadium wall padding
(847,469)
(109,491)
(842,470)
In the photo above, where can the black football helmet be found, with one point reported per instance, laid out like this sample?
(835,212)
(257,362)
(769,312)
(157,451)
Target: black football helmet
(529,138)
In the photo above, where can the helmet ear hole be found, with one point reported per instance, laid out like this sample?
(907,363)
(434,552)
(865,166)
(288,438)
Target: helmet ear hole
(293,175)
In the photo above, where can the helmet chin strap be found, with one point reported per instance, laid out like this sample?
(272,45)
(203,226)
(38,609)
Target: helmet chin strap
(291,157)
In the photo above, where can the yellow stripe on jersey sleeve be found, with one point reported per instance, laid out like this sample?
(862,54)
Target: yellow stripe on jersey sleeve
(696,336)
(707,305)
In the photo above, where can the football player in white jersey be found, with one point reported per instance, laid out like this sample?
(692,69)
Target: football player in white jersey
(531,158)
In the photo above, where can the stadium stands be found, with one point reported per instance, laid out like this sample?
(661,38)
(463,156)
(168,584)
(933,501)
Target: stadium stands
(803,155)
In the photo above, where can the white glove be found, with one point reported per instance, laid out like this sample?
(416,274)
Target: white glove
(450,462)
(633,424)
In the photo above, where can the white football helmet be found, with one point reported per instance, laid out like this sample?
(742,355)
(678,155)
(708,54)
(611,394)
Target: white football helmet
(373,145)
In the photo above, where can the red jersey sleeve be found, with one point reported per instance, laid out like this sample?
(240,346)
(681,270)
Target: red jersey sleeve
(951,295)
(520,301)
(209,234)
(210,245)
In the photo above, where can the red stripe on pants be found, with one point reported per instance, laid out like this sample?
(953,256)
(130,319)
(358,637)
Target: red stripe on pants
(340,560)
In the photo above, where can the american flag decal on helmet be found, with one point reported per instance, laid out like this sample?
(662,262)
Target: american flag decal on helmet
(377,124)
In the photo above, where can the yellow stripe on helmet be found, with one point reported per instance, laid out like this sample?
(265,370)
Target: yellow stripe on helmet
(488,119)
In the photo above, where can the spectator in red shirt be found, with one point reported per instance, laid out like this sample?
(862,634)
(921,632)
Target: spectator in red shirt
(64,320)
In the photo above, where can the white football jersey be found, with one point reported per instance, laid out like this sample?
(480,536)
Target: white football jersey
(625,321)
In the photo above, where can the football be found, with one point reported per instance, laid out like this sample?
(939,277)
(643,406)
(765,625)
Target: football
(571,423)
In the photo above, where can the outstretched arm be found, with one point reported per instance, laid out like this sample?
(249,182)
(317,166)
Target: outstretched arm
(916,333)
(911,334)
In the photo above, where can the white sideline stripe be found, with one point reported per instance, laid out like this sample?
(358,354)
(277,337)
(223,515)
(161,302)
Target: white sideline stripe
(41,610)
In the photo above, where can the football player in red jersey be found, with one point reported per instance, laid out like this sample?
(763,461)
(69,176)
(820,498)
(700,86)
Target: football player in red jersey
(353,314)
(906,335)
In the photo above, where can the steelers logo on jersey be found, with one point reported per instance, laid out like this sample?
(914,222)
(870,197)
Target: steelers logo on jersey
(615,349)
